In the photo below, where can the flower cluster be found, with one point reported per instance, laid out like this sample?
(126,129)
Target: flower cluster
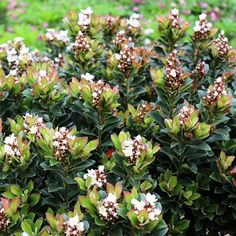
(57,36)
(202,28)
(108,208)
(87,76)
(120,39)
(11,148)
(85,19)
(185,113)
(148,204)
(215,92)
(73,227)
(98,88)
(60,142)
(33,124)
(101,95)
(132,148)
(59,60)
(221,45)
(174,19)
(111,22)
(81,44)
(199,71)
(17,55)
(173,72)
(43,74)
(126,58)
(143,109)
(98,176)
(45,82)
(4,220)
(133,21)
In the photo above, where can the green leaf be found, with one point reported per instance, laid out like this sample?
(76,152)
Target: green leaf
(15,189)
(183,225)
(34,198)
(85,202)
(133,218)
(38,224)
(115,140)
(173,181)
(26,227)
(216,176)
(54,187)
(30,186)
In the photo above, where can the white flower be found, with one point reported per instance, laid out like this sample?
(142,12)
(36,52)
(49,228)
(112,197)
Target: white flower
(151,198)
(138,138)
(173,73)
(39,119)
(73,221)
(137,204)
(24,50)
(101,168)
(128,151)
(111,198)
(135,16)
(50,34)
(197,26)
(18,40)
(87,76)
(83,19)
(13,72)
(148,31)
(117,56)
(42,73)
(219,80)
(92,175)
(33,130)
(8,150)
(80,226)
(175,12)
(102,211)
(11,55)
(98,177)
(133,21)
(87,11)
(202,16)
(10,139)
(153,215)
(209,25)
(25,234)
(147,42)
(84,16)
(61,35)
(148,204)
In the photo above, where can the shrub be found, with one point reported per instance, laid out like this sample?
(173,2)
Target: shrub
(104,136)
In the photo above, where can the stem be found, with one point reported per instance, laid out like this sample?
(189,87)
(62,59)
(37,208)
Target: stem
(126,94)
(171,105)
(100,128)
(214,64)
(197,54)
(66,171)
(126,89)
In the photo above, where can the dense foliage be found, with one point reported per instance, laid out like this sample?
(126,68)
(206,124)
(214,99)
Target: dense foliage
(103,136)
(37,15)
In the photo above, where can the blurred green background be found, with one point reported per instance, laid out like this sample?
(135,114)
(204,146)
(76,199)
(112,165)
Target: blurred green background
(30,18)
